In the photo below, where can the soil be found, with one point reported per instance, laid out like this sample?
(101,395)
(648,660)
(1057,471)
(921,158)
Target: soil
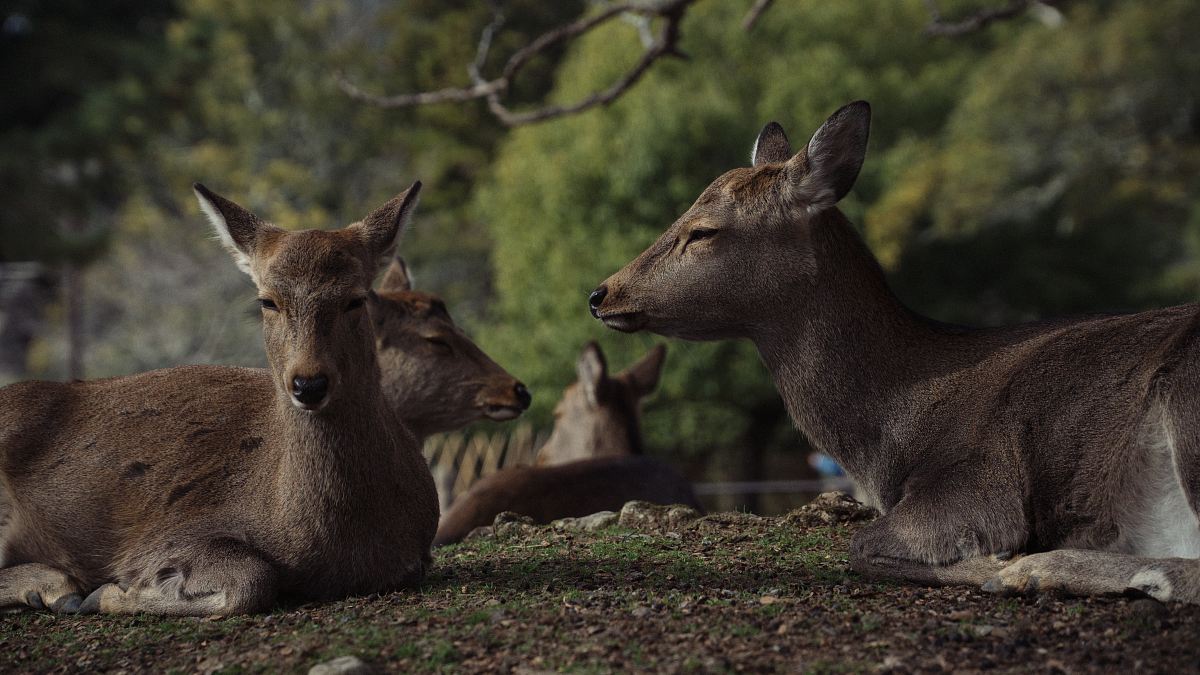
(725,593)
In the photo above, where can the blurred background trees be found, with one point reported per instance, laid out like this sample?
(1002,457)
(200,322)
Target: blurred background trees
(1044,164)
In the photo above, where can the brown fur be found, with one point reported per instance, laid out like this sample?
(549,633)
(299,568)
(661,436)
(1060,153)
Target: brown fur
(599,415)
(1066,434)
(589,464)
(210,490)
(579,488)
(435,378)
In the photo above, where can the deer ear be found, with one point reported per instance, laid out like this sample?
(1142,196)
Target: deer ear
(237,228)
(396,278)
(772,146)
(592,371)
(643,376)
(381,229)
(827,168)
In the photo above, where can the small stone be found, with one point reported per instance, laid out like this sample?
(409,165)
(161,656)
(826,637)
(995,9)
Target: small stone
(640,612)
(342,665)
(768,600)
(830,508)
(591,523)
(645,516)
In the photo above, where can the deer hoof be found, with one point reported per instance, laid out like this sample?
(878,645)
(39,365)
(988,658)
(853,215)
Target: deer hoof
(34,600)
(67,604)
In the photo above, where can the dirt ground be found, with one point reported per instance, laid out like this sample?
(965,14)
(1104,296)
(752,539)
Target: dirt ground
(726,593)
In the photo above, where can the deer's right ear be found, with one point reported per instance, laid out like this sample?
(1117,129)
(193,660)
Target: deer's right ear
(827,168)
(396,278)
(772,146)
(592,370)
(237,228)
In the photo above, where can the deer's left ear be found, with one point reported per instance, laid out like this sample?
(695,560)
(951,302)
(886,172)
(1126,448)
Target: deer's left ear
(382,228)
(771,147)
(643,376)
(396,278)
(824,172)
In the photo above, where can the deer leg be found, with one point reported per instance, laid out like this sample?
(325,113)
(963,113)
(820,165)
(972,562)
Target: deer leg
(1083,572)
(880,551)
(224,577)
(39,586)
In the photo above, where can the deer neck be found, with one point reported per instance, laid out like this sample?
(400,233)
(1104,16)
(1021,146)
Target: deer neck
(845,352)
(352,442)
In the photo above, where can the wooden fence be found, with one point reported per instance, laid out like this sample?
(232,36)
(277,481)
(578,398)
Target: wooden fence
(458,460)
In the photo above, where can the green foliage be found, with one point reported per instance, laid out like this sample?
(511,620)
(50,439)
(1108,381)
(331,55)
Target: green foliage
(574,200)
(1026,170)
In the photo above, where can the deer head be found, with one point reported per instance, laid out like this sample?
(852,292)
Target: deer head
(599,415)
(313,287)
(434,376)
(745,248)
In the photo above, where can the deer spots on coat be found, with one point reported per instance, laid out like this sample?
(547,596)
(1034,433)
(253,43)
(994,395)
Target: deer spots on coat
(135,470)
(181,490)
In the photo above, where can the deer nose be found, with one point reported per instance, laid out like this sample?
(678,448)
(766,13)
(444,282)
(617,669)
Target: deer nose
(596,299)
(310,390)
(523,396)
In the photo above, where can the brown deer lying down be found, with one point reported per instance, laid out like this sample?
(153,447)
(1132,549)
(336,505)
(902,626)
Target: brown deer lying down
(435,378)
(599,414)
(1074,441)
(212,490)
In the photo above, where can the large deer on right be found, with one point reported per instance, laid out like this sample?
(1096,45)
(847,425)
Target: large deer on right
(1063,454)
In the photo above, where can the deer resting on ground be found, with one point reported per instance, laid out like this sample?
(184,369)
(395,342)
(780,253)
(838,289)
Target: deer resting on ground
(591,462)
(214,490)
(435,378)
(1063,454)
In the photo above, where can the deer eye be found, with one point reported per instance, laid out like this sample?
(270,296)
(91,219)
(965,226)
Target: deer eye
(268,304)
(699,234)
(439,343)
(355,304)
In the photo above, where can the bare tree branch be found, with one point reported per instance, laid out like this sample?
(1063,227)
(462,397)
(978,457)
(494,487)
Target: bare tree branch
(978,20)
(755,12)
(671,13)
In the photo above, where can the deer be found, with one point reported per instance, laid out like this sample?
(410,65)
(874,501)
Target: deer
(211,490)
(1062,454)
(434,377)
(592,461)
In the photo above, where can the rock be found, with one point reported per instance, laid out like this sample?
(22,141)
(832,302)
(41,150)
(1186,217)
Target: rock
(830,508)
(508,524)
(595,521)
(481,532)
(342,665)
(647,517)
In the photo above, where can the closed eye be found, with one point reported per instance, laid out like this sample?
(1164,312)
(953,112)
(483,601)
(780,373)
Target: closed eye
(268,304)
(699,234)
(355,304)
(439,343)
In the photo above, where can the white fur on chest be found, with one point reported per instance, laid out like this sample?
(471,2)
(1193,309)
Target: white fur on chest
(1156,521)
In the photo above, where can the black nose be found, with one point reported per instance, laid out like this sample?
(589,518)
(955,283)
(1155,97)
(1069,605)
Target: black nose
(310,390)
(523,396)
(595,299)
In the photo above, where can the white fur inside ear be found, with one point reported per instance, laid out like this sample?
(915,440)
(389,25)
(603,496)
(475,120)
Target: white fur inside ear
(221,228)
(754,152)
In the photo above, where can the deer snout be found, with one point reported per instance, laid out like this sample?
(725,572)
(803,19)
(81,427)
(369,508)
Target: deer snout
(596,299)
(524,398)
(310,393)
